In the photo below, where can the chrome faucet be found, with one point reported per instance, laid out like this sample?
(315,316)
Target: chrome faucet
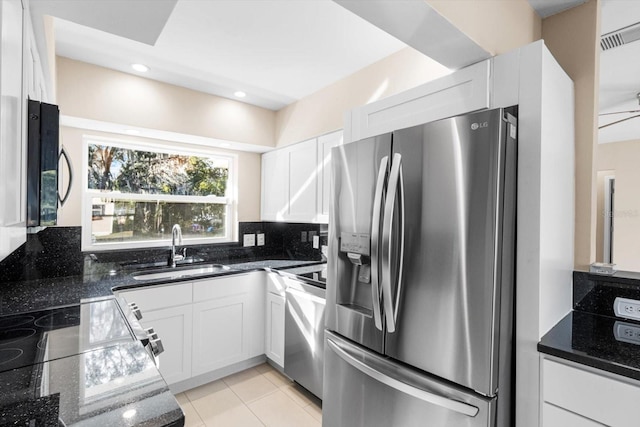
(176,233)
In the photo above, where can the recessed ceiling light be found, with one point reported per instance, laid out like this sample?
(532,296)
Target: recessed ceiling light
(140,67)
(132,132)
(240,94)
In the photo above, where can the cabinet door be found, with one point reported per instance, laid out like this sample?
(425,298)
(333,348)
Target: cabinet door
(458,93)
(12,132)
(274,333)
(219,337)
(303,181)
(275,185)
(325,144)
(173,326)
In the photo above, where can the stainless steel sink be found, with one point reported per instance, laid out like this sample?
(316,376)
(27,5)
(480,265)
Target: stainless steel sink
(177,273)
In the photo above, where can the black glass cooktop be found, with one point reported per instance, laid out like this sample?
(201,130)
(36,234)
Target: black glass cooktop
(41,336)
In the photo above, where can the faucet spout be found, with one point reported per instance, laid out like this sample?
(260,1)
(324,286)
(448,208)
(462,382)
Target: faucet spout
(176,234)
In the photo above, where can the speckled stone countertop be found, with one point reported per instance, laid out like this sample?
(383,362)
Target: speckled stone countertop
(30,295)
(591,334)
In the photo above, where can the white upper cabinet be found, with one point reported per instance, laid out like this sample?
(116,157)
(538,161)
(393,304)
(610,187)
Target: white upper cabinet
(12,128)
(295,180)
(303,181)
(460,92)
(275,185)
(325,144)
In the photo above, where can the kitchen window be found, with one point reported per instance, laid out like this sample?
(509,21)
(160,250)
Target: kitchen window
(134,193)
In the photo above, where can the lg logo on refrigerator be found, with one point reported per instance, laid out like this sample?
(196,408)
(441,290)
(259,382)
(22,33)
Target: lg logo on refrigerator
(476,126)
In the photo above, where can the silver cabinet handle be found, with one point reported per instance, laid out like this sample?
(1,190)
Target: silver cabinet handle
(375,231)
(395,188)
(354,360)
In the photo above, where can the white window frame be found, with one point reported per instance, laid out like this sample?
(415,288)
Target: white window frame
(230,199)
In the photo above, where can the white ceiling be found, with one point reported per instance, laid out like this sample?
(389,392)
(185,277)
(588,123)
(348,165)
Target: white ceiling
(619,74)
(277,51)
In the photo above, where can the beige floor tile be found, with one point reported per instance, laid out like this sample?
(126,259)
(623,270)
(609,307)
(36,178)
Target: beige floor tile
(191,417)
(182,398)
(315,411)
(224,408)
(252,387)
(241,376)
(279,410)
(264,368)
(277,378)
(299,395)
(204,390)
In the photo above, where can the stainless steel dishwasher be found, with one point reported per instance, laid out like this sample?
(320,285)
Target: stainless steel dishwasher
(304,335)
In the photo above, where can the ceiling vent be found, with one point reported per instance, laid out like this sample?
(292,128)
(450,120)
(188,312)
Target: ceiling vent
(619,37)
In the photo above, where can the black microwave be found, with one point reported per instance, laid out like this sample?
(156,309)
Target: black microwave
(43,158)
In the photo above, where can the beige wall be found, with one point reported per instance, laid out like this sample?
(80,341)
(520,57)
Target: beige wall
(248,175)
(621,159)
(92,92)
(324,110)
(573,37)
(498,26)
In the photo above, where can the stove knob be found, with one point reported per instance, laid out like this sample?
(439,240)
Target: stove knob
(136,310)
(156,346)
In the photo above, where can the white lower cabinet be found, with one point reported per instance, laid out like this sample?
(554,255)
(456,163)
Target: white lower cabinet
(219,337)
(204,325)
(173,326)
(274,318)
(574,395)
(274,331)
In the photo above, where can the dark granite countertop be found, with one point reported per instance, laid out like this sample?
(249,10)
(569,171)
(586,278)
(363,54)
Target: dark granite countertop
(591,334)
(90,389)
(602,342)
(38,294)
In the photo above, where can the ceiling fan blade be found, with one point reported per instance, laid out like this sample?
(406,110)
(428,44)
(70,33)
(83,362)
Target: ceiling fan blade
(618,121)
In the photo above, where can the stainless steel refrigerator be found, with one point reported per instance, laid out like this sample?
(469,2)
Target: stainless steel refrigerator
(420,286)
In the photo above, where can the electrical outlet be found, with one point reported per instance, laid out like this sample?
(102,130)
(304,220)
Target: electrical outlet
(303,237)
(260,239)
(316,242)
(628,308)
(626,332)
(249,240)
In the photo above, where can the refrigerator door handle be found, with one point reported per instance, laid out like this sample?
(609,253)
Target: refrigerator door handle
(395,188)
(375,231)
(355,361)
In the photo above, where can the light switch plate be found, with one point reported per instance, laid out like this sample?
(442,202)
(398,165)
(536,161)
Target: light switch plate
(627,308)
(316,242)
(249,240)
(260,239)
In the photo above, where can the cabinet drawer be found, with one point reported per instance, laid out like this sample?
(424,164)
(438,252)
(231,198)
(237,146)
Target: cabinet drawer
(157,297)
(598,397)
(221,287)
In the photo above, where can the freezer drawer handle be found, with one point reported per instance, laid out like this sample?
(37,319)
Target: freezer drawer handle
(375,231)
(453,405)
